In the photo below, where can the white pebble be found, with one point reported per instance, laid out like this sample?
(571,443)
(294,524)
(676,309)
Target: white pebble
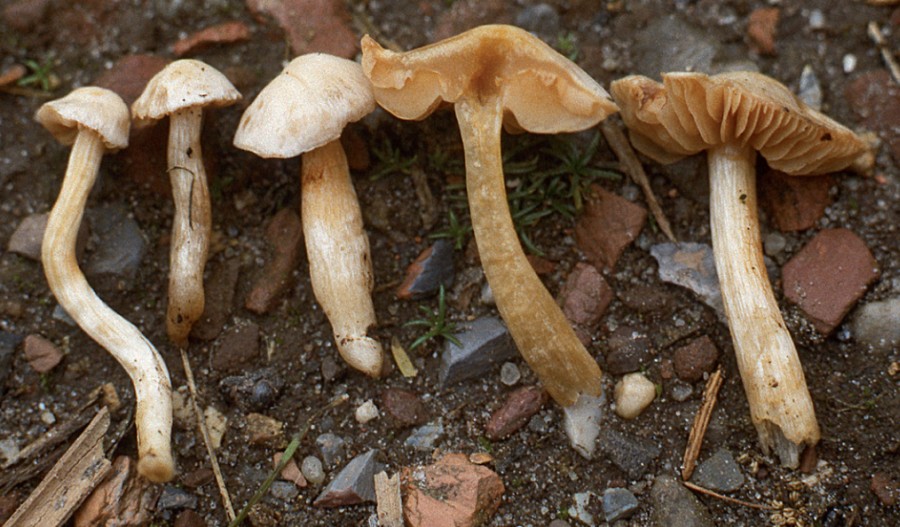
(311,467)
(366,412)
(633,394)
(510,374)
(849,63)
(816,19)
(47,417)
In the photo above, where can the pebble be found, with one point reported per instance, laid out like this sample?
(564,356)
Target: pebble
(332,448)
(216,424)
(354,483)
(680,391)
(173,497)
(675,506)
(510,374)
(689,48)
(762,27)
(219,290)
(366,412)
(690,265)
(120,244)
(848,63)
(585,297)
(875,324)
(774,243)
(540,19)
(8,449)
(285,236)
(41,354)
(645,299)
(25,15)
(629,350)
(48,418)
(810,91)
(284,491)
(27,238)
(264,430)
(189,518)
(695,358)
(579,510)
(875,98)
(485,343)
(828,275)
(332,369)
(198,478)
(291,472)
(311,25)
(426,436)
(816,19)
(515,412)
(450,492)
(885,488)
(581,421)
(608,224)
(618,504)
(794,203)
(225,33)
(631,454)
(633,393)
(236,349)
(61,315)
(312,470)
(432,269)
(720,473)
(404,408)
(253,391)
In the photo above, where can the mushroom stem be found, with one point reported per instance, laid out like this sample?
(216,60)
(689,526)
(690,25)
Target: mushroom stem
(780,405)
(191,225)
(134,352)
(540,330)
(338,251)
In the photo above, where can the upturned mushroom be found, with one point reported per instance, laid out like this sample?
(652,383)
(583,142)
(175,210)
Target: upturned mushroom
(733,116)
(503,77)
(303,111)
(95,121)
(181,91)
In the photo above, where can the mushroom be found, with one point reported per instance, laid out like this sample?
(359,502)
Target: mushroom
(732,116)
(502,76)
(303,111)
(181,91)
(94,121)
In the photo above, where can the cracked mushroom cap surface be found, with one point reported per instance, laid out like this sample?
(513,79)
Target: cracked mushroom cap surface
(305,107)
(97,109)
(541,91)
(181,85)
(691,112)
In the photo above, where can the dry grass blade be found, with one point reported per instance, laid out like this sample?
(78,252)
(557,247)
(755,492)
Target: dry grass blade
(632,165)
(878,37)
(698,429)
(729,499)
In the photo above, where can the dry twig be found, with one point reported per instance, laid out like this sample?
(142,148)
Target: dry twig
(886,54)
(698,429)
(729,499)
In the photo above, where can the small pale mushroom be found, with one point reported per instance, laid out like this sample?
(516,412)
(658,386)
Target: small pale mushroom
(733,116)
(503,77)
(95,121)
(303,111)
(181,91)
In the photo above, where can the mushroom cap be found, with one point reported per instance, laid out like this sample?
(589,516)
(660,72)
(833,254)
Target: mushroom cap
(181,85)
(541,91)
(305,107)
(691,112)
(92,108)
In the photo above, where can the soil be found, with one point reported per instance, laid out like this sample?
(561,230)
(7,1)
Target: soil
(856,399)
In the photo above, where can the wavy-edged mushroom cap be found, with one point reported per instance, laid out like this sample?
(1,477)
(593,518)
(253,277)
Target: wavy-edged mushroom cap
(690,112)
(97,109)
(305,107)
(181,85)
(541,91)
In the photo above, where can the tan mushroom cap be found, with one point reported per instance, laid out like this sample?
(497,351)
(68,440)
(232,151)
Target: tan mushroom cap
(305,107)
(690,112)
(183,84)
(541,91)
(97,109)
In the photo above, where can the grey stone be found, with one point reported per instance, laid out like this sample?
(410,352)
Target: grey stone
(61,315)
(675,506)
(581,421)
(690,265)
(26,240)
(720,473)
(120,244)
(331,447)
(253,391)
(8,344)
(510,374)
(579,509)
(540,19)
(680,390)
(431,270)
(876,324)
(633,455)
(426,436)
(354,484)
(173,497)
(810,91)
(618,504)
(311,468)
(485,343)
(688,48)
(774,243)
(284,490)
(629,350)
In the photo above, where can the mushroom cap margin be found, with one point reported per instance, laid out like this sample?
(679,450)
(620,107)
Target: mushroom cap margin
(183,84)
(93,108)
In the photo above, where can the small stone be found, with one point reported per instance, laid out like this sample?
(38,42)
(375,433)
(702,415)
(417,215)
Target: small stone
(618,504)
(485,343)
(581,421)
(720,473)
(629,350)
(425,437)
(689,47)
(515,412)
(645,299)
(122,498)
(690,265)
(675,506)
(291,472)
(312,470)
(794,203)
(25,15)
(585,297)
(48,418)
(284,490)
(774,244)
(579,510)
(633,394)
(680,391)
(510,374)
(695,358)
(236,349)
(432,269)
(216,424)
(253,391)
(816,19)
(403,407)
(541,19)
(120,244)
(285,236)
(355,483)
(632,454)
(450,493)
(875,97)
(189,518)
(810,91)
(174,498)
(311,25)
(762,29)
(331,369)
(885,488)
(828,276)
(848,63)
(219,290)
(61,315)
(27,238)
(875,324)
(332,448)
(608,224)
(41,354)
(225,33)
(366,412)
(264,430)
(198,478)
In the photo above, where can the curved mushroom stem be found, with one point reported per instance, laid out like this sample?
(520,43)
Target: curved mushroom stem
(190,227)
(121,339)
(780,405)
(338,251)
(540,330)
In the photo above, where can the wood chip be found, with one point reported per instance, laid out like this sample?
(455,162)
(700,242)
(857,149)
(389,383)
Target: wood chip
(876,35)
(698,429)
(404,364)
(390,505)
